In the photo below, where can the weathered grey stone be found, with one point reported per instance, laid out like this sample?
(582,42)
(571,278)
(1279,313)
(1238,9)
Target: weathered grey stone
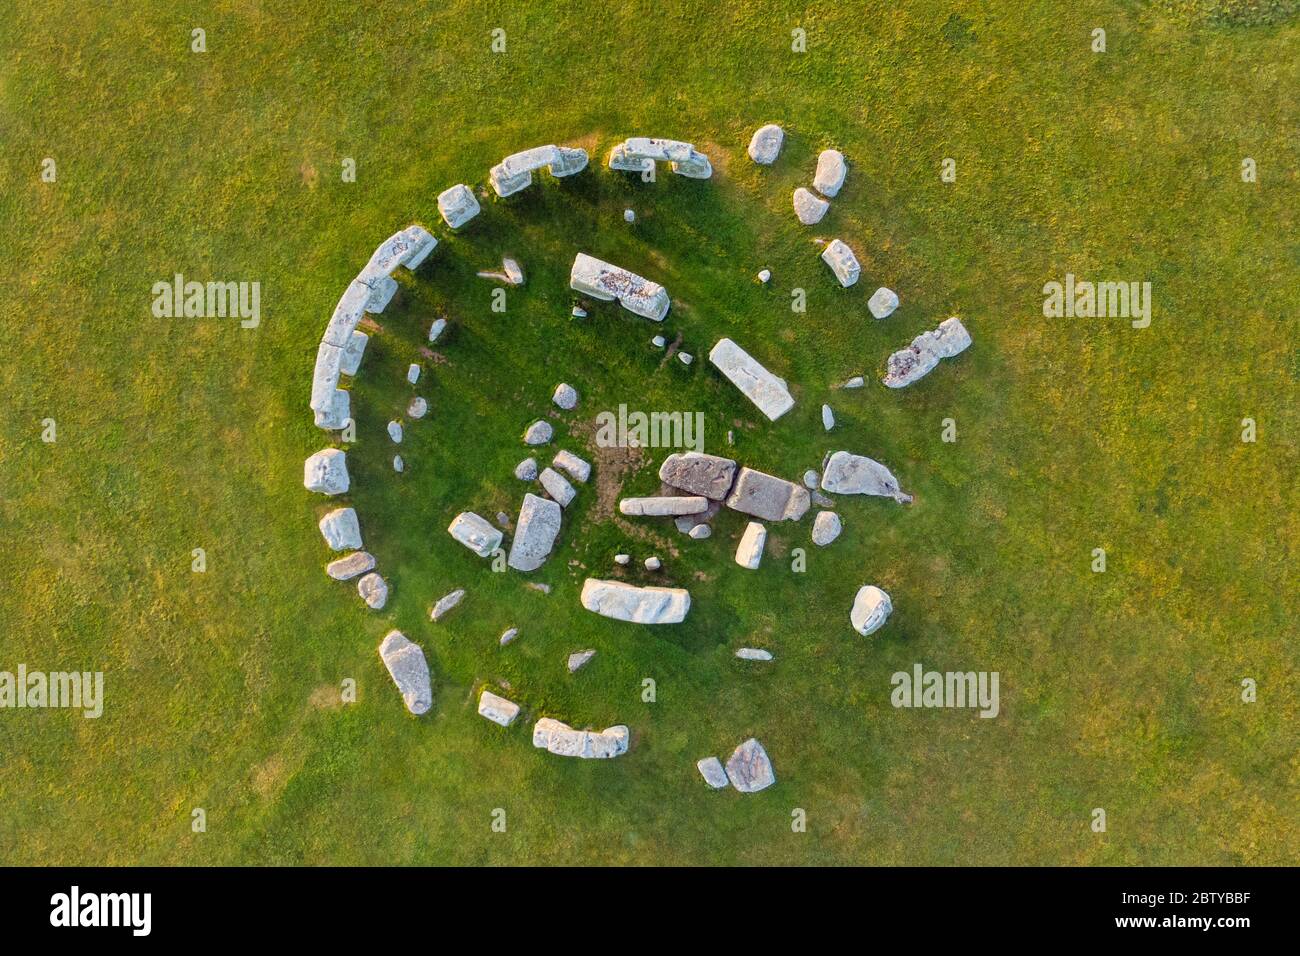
(625,602)
(883,302)
(349,566)
(826,528)
(809,208)
(513,270)
(844,473)
(821,501)
(749,769)
(352,352)
(711,770)
(857,381)
(326,472)
(395,432)
(699,474)
(842,261)
(559,738)
(373,590)
(341,530)
(765,144)
(409,247)
(526,470)
(503,519)
(700,532)
(446,603)
(811,479)
(508,635)
(766,496)
(658,341)
(686,358)
(907,365)
(348,313)
(382,289)
(413,373)
(579,312)
(497,709)
(600,280)
(324,386)
(457,205)
(831,170)
(578,469)
(535,533)
(622,558)
(579,658)
(538,586)
(653,563)
(629,215)
(765,276)
(769,392)
(749,553)
(753,654)
(555,485)
(515,172)
(871,608)
(417,408)
(409,670)
(566,396)
(436,329)
(538,433)
(398,465)
(663,506)
(475,533)
(828,418)
(638,154)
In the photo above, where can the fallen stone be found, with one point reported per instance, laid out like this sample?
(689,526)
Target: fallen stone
(918,359)
(413,373)
(769,392)
(417,408)
(753,654)
(848,474)
(457,205)
(526,470)
(497,709)
(409,670)
(663,506)
(579,312)
(765,144)
(871,608)
(561,739)
(842,261)
(326,472)
(826,528)
(565,396)
(711,770)
(856,381)
(535,534)
(350,361)
(808,208)
(579,658)
(508,635)
(882,303)
(436,329)
(609,283)
(626,602)
(749,769)
(395,432)
(828,418)
(749,553)
(768,497)
(575,466)
(538,433)
(475,533)
(629,215)
(325,402)
(348,567)
(373,590)
(821,501)
(446,603)
(555,486)
(831,170)
(341,530)
(699,474)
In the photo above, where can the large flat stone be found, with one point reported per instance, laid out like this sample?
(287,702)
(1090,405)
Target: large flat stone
(607,282)
(326,472)
(749,769)
(848,474)
(409,670)
(768,497)
(535,533)
(626,602)
(665,505)
(475,533)
(699,474)
(559,738)
(917,360)
(341,530)
(497,709)
(769,392)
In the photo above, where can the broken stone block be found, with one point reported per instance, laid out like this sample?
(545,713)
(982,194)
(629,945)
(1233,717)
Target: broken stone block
(497,709)
(711,770)
(663,506)
(374,591)
(808,208)
(555,486)
(475,533)
(769,392)
(409,670)
(842,261)
(918,359)
(609,283)
(349,566)
(749,769)
(848,474)
(749,553)
(626,602)
(457,205)
(699,474)
(559,738)
(882,303)
(326,472)
(341,530)
(871,608)
(578,659)
(575,466)
(535,533)
(768,497)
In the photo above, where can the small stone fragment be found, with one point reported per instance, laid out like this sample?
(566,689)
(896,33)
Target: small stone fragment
(514,272)
(808,208)
(753,654)
(509,635)
(629,215)
(700,532)
(566,396)
(398,465)
(658,341)
(810,479)
(526,470)
(652,563)
(475,533)
(828,418)
(685,358)
(413,373)
(436,329)
(579,658)
(765,276)
(395,432)
(622,558)
(446,603)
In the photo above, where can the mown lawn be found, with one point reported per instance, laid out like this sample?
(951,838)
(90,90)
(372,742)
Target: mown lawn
(1119,690)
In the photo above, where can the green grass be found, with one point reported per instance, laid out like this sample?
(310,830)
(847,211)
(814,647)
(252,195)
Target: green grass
(1119,690)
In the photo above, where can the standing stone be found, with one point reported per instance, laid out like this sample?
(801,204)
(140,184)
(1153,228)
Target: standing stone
(395,432)
(326,472)
(566,396)
(826,528)
(578,469)
(847,474)
(413,373)
(417,408)
(809,208)
(768,497)
(653,563)
(749,769)
(622,559)
(753,654)
(526,470)
(883,302)
(457,205)
(497,709)
(508,635)
(373,590)
(750,550)
(349,566)
(769,392)
(710,769)
(700,532)
(765,276)
(828,418)
(831,170)
(398,465)
(341,530)
(842,261)
(626,602)
(475,533)
(699,474)
(538,433)
(871,607)
(686,358)
(514,271)
(536,530)
(555,486)
(446,603)
(436,329)
(579,658)
(765,144)
(409,670)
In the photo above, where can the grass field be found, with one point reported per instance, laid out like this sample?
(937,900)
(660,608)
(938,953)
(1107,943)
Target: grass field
(1120,690)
